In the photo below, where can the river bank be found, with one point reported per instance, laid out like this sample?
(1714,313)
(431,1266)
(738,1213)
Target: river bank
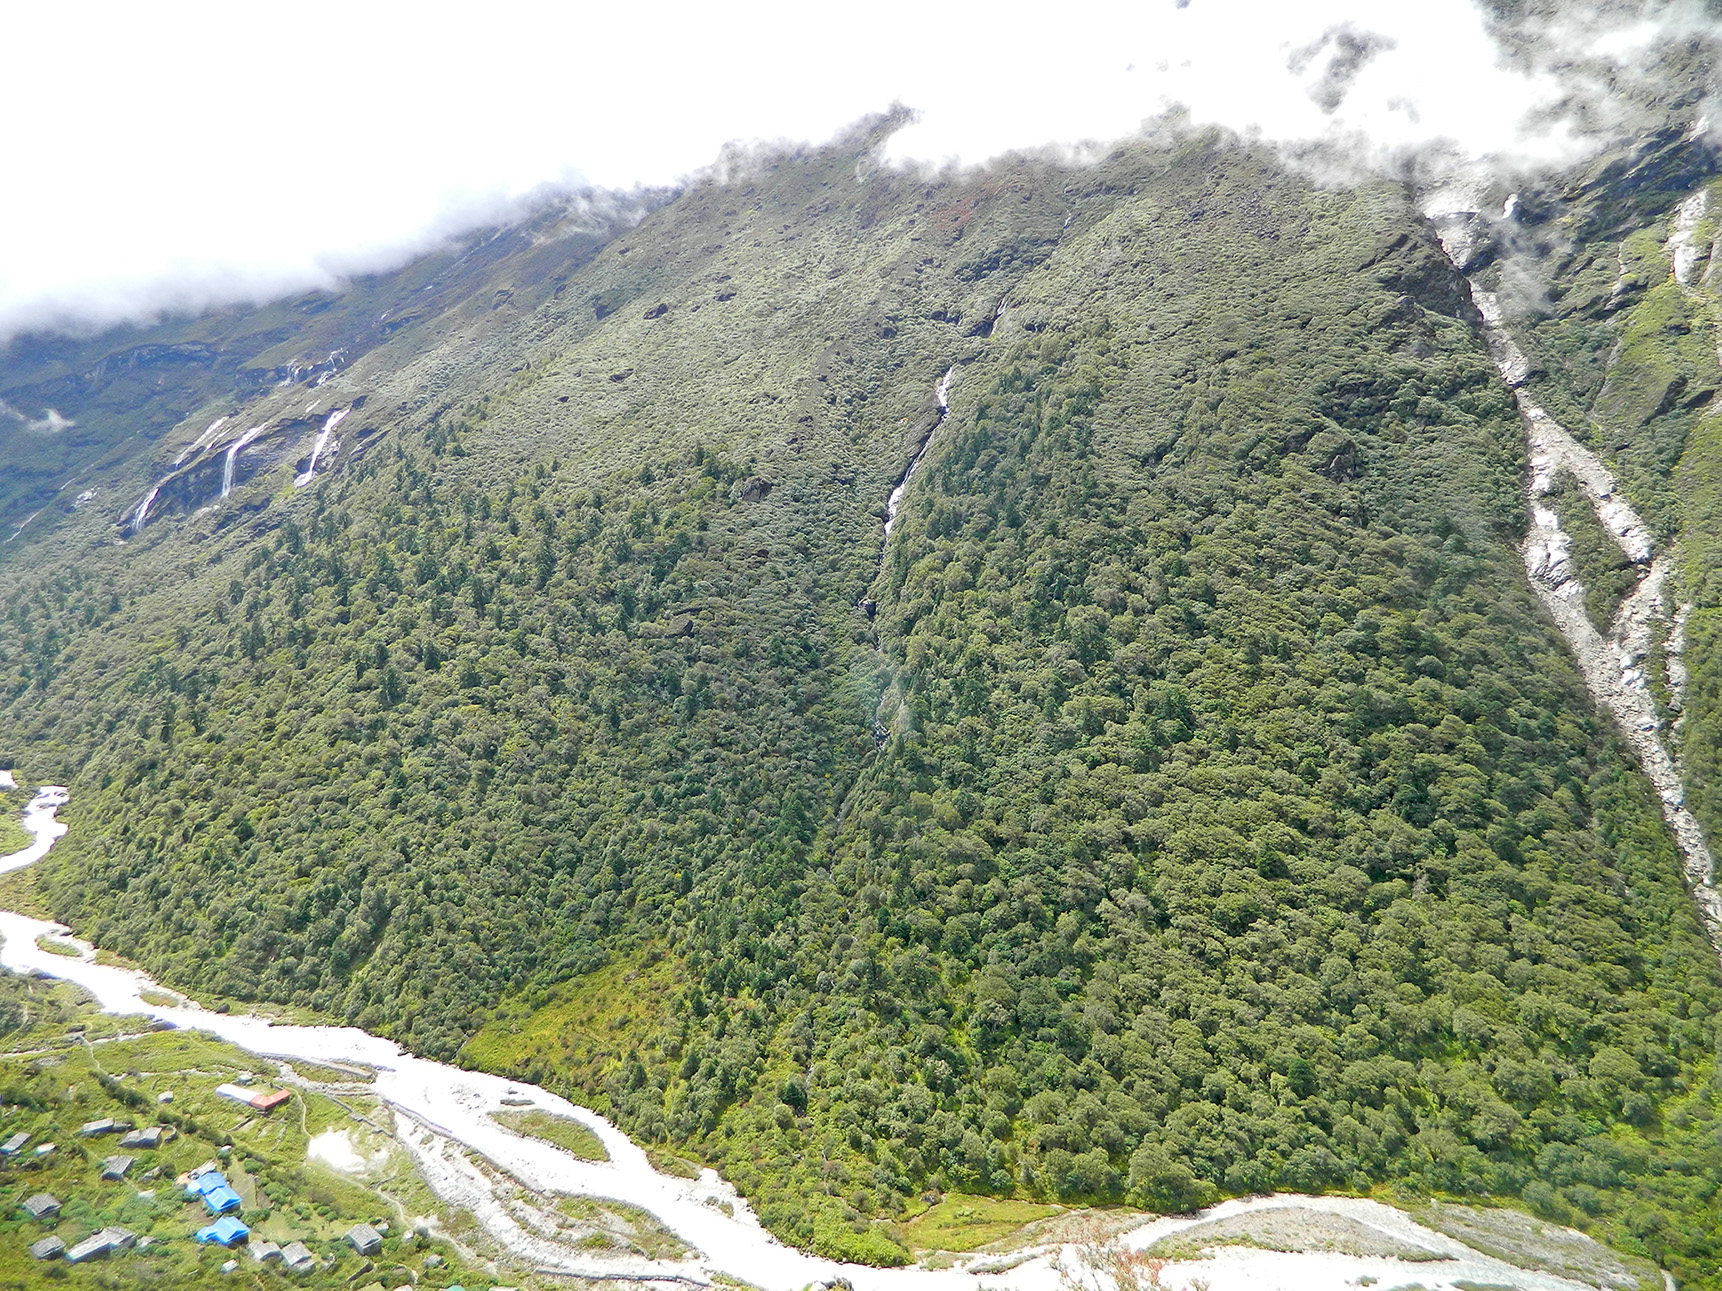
(445,1118)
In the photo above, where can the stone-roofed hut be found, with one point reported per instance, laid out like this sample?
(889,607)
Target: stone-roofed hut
(365,1239)
(44,1207)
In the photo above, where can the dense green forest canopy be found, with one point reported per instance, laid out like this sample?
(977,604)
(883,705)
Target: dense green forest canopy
(1189,798)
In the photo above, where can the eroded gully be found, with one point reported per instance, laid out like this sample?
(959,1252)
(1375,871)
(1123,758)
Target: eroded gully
(1614,664)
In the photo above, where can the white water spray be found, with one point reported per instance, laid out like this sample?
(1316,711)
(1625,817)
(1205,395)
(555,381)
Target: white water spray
(202,442)
(233,451)
(142,513)
(333,420)
(896,499)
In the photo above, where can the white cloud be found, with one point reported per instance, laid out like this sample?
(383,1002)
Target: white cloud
(179,154)
(51,422)
(1430,76)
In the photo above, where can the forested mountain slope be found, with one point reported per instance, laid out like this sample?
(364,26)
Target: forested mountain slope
(1189,797)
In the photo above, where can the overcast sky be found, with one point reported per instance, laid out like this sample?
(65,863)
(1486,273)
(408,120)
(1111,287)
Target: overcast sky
(170,154)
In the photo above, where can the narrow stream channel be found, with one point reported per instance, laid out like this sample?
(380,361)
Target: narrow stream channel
(895,501)
(1611,663)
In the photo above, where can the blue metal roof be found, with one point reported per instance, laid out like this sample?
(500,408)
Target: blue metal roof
(221,1200)
(206,1183)
(226,1230)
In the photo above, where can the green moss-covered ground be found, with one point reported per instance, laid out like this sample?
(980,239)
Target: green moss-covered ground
(964,1222)
(62,1065)
(560,1130)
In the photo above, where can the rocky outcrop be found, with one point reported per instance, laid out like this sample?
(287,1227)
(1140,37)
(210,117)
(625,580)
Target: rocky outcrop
(210,474)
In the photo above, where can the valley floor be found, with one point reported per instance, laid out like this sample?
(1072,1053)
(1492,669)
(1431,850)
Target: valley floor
(553,1212)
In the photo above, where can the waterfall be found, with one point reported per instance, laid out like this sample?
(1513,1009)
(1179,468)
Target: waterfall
(334,419)
(20,529)
(143,510)
(895,501)
(232,461)
(1610,662)
(202,442)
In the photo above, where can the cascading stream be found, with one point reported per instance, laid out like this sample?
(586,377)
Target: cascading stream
(193,448)
(143,510)
(229,466)
(895,501)
(333,420)
(942,392)
(20,529)
(202,442)
(1611,665)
